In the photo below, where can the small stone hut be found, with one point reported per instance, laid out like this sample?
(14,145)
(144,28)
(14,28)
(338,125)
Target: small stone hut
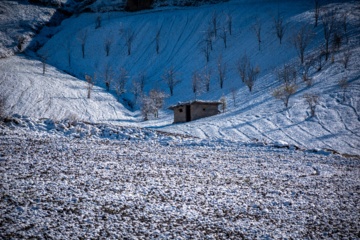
(189,111)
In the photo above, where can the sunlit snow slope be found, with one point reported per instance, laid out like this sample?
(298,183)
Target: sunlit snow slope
(256,116)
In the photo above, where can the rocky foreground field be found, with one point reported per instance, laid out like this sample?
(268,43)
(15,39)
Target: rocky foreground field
(131,184)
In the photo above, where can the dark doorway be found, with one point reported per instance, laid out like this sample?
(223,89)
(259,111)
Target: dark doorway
(188,113)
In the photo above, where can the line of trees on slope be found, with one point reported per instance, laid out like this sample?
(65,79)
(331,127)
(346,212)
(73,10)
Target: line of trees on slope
(220,26)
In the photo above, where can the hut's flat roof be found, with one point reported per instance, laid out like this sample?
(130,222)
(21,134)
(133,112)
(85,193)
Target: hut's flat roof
(180,104)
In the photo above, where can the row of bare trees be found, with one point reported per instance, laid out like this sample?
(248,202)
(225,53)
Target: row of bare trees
(214,31)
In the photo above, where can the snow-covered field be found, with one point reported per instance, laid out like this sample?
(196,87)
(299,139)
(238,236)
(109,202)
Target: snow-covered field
(63,181)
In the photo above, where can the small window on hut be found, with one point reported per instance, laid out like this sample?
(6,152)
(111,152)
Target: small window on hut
(180,110)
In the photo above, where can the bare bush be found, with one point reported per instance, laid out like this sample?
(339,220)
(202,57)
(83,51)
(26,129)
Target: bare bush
(312,100)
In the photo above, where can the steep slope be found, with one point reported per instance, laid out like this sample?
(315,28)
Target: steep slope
(256,116)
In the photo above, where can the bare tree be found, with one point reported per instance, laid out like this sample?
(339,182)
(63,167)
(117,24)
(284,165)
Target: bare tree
(280,26)
(206,50)
(152,103)
(301,40)
(221,67)
(328,23)
(304,69)
(147,107)
(142,80)
(108,77)
(136,89)
(196,83)
(344,84)
(252,74)
(229,21)
(98,21)
(346,57)
(223,35)
(157,41)
(344,23)
(233,95)
(90,84)
(214,22)
(129,36)
(82,36)
(287,74)
(171,79)
(44,58)
(284,92)
(257,30)
(121,82)
(312,100)
(157,100)
(320,56)
(107,44)
(242,66)
(316,12)
(207,43)
(207,78)
(223,104)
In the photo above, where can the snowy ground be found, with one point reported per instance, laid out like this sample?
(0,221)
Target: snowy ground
(60,181)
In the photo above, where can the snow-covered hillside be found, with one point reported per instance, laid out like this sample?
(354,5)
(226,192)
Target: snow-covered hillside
(256,116)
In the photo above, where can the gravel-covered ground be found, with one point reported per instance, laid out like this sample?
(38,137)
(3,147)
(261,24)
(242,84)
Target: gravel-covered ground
(58,186)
